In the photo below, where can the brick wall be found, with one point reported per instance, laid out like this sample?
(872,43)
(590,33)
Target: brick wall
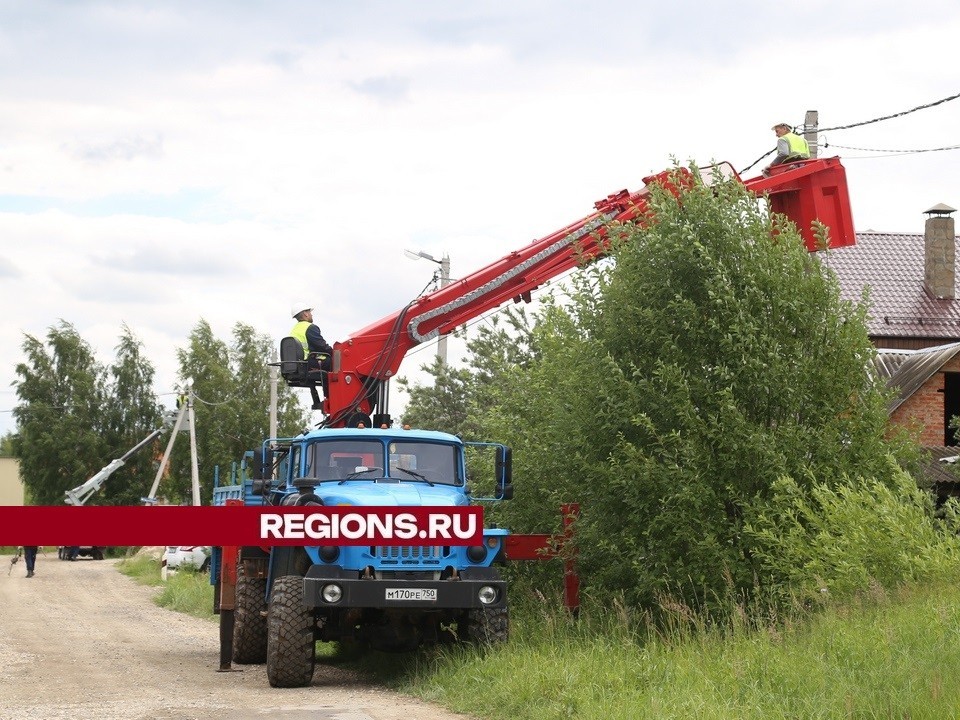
(925,407)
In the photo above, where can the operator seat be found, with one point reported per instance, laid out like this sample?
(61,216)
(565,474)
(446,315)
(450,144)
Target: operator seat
(296,370)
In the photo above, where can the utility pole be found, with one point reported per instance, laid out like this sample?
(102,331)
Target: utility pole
(444,281)
(194,465)
(444,264)
(274,374)
(185,412)
(810,128)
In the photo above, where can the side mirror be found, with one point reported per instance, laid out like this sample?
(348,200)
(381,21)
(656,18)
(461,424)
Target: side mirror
(504,473)
(262,464)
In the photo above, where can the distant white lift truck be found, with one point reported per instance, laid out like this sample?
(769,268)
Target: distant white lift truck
(79,495)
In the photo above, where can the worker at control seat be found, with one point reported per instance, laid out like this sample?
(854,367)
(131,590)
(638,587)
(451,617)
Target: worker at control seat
(790,147)
(316,350)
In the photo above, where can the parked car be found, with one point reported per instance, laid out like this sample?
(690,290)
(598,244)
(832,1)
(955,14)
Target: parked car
(185,557)
(72,552)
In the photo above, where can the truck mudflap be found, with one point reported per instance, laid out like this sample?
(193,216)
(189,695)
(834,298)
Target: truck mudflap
(355,592)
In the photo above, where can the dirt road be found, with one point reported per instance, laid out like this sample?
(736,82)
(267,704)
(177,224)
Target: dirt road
(81,641)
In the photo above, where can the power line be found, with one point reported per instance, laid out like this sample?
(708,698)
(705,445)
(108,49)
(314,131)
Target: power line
(897,152)
(868,122)
(895,115)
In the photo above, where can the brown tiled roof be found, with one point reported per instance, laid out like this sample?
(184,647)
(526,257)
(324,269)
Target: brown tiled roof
(891,265)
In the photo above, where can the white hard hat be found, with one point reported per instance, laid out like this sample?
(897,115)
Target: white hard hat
(299,307)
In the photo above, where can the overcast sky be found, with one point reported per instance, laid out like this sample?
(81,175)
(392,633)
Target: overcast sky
(166,162)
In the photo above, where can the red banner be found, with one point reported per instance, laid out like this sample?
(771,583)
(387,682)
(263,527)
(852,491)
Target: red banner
(240,525)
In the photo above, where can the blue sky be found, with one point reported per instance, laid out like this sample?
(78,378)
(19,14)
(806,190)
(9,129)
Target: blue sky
(163,162)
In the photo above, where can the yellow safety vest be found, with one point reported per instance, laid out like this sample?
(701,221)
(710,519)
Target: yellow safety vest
(798,146)
(300,333)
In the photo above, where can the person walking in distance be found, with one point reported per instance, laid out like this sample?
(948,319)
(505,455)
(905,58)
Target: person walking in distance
(30,558)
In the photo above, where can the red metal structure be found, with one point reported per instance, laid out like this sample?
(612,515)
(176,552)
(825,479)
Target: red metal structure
(805,191)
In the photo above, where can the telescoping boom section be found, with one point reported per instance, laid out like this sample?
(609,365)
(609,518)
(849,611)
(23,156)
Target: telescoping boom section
(806,192)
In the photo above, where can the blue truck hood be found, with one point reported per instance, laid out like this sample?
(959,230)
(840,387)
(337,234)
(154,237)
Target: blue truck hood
(403,494)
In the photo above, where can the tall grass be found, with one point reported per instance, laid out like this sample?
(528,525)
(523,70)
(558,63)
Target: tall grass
(186,592)
(880,655)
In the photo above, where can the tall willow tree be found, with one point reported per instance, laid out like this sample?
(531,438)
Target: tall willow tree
(61,392)
(131,412)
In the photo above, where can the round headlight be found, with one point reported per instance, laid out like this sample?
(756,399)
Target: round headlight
(487,594)
(477,553)
(332,593)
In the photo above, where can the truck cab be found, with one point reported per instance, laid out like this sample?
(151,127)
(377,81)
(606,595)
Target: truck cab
(384,597)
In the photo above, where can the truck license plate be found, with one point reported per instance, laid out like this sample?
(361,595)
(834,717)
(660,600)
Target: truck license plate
(403,594)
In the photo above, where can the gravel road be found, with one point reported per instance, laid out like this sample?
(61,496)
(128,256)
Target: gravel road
(81,641)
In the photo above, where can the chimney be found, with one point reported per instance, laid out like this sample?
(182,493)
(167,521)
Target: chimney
(939,269)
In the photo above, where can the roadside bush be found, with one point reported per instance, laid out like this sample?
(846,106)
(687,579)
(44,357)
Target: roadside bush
(708,357)
(854,537)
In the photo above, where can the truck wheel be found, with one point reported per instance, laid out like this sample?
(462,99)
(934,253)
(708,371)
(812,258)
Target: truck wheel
(291,650)
(250,621)
(488,626)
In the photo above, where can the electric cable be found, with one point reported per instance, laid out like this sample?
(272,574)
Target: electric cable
(894,115)
(866,122)
(892,152)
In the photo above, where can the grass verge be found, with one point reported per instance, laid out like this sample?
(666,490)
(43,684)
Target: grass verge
(186,592)
(886,656)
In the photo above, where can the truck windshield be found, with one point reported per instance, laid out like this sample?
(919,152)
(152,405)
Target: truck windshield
(409,461)
(335,459)
(432,462)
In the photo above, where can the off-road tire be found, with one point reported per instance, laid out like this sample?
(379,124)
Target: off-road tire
(250,621)
(291,651)
(488,626)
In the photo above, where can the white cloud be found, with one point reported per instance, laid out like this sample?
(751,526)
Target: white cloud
(159,164)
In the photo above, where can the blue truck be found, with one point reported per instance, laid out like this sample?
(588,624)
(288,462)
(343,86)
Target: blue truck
(390,598)
(276,602)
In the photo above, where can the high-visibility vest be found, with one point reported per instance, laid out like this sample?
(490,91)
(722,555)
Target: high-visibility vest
(300,333)
(798,146)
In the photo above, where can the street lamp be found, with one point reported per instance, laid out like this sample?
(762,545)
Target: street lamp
(444,264)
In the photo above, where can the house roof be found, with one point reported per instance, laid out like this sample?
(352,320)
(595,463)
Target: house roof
(905,371)
(891,265)
(939,468)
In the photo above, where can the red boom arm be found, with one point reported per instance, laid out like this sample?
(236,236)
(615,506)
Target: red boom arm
(804,192)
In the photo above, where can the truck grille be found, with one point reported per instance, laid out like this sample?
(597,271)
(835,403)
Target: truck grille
(409,555)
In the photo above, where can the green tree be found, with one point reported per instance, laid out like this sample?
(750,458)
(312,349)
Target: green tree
(131,413)
(7,445)
(708,358)
(61,390)
(458,396)
(733,362)
(442,405)
(231,389)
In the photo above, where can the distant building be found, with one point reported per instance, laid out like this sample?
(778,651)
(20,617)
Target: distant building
(11,487)
(913,318)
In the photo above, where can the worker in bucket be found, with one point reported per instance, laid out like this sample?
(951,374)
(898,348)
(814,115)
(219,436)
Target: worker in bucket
(317,351)
(790,147)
